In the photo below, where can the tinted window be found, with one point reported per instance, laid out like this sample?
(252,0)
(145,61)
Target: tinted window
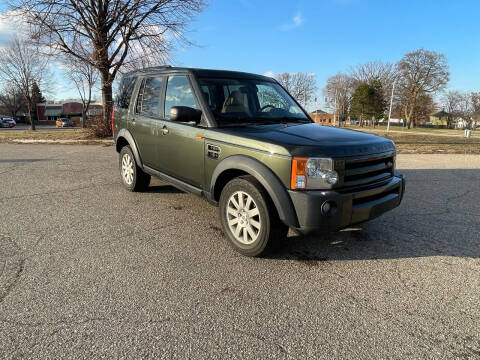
(125,92)
(179,93)
(148,100)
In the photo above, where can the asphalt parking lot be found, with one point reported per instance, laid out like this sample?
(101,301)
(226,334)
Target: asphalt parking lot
(89,270)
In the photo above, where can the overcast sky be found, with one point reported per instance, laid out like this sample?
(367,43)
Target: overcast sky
(324,37)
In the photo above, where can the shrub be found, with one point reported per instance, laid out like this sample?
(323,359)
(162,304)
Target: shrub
(100,127)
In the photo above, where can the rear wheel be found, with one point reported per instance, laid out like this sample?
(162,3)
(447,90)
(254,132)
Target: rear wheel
(133,178)
(249,218)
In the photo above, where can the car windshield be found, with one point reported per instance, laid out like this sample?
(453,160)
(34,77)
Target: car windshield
(257,101)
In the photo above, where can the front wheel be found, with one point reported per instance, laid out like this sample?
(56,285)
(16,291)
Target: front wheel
(133,178)
(248,216)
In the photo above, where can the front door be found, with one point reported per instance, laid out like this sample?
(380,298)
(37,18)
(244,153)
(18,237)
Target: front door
(181,152)
(145,121)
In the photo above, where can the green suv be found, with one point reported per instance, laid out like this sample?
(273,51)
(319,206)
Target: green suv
(244,144)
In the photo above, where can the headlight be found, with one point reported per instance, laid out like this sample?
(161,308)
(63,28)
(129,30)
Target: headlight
(321,168)
(313,173)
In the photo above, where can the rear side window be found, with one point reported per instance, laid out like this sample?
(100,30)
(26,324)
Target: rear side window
(125,92)
(179,93)
(148,100)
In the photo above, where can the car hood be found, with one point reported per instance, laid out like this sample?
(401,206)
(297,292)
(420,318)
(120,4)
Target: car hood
(316,140)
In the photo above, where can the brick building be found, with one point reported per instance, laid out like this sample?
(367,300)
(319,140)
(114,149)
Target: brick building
(322,117)
(49,112)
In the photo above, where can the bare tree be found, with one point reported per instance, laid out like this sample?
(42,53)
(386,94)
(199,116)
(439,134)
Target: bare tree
(11,100)
(466,107)
(421,72)
(375,70)
(301,86)
(424,107)
(451,101)
(84,76)
(475,96)
(22,66)
(109,34)
(338,92)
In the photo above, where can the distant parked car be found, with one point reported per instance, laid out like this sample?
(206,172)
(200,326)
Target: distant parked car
(7,122)
(64,122)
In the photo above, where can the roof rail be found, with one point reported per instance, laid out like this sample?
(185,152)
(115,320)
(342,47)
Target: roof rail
(160,67)
(152,68)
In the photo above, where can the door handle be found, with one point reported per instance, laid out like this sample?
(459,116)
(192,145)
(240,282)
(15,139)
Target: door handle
(164,130)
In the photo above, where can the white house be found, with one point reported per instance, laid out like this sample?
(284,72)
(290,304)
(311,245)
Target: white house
(392,121)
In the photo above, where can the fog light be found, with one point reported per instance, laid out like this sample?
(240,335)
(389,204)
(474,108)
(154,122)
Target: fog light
(329,208)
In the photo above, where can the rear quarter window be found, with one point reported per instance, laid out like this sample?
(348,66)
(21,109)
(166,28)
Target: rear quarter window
(148,101)
(125,90)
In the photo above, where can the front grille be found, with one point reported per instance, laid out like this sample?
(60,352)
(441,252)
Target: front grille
(365,171)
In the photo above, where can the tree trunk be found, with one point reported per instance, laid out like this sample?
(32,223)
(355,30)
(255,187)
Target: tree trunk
(86,106)
(84,118)
(106,100)
(32,121)
(408,117)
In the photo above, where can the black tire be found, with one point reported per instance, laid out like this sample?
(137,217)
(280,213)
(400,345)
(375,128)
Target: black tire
(139,180)
(271,228)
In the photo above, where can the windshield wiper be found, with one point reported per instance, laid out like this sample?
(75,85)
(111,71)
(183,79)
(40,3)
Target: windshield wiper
(233,124)
(285,120)
(242,122)
(294,119)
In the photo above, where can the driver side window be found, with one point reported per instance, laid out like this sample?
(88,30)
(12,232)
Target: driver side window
(179,93)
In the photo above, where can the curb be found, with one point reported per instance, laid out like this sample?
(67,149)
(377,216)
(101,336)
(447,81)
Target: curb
(62,142)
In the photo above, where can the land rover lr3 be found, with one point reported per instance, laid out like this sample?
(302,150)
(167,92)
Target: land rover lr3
(244,144)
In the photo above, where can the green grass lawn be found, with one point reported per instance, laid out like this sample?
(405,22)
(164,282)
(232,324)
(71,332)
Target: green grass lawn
(412,130)
(417,140)
(425,140)
(56,134)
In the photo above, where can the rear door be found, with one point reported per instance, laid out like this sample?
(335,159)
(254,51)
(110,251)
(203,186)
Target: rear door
(181,152)
(145,119)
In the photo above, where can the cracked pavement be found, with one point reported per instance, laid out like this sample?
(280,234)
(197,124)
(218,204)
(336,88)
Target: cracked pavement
(89,270)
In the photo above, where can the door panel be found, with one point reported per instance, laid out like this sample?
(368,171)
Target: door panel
(181,152)
(144,130)
(145,119)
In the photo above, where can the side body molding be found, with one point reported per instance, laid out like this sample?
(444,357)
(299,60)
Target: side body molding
(266,177)
(124,133)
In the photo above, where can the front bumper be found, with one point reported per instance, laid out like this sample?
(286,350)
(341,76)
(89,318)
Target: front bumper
(347,207)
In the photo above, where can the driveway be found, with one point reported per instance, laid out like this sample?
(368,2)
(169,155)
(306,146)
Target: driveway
(91,270)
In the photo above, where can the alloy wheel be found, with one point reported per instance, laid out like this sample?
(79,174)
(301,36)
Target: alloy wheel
(243,217)
(127,169)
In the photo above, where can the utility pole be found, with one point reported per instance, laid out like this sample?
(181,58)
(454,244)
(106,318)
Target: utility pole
(391,102)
